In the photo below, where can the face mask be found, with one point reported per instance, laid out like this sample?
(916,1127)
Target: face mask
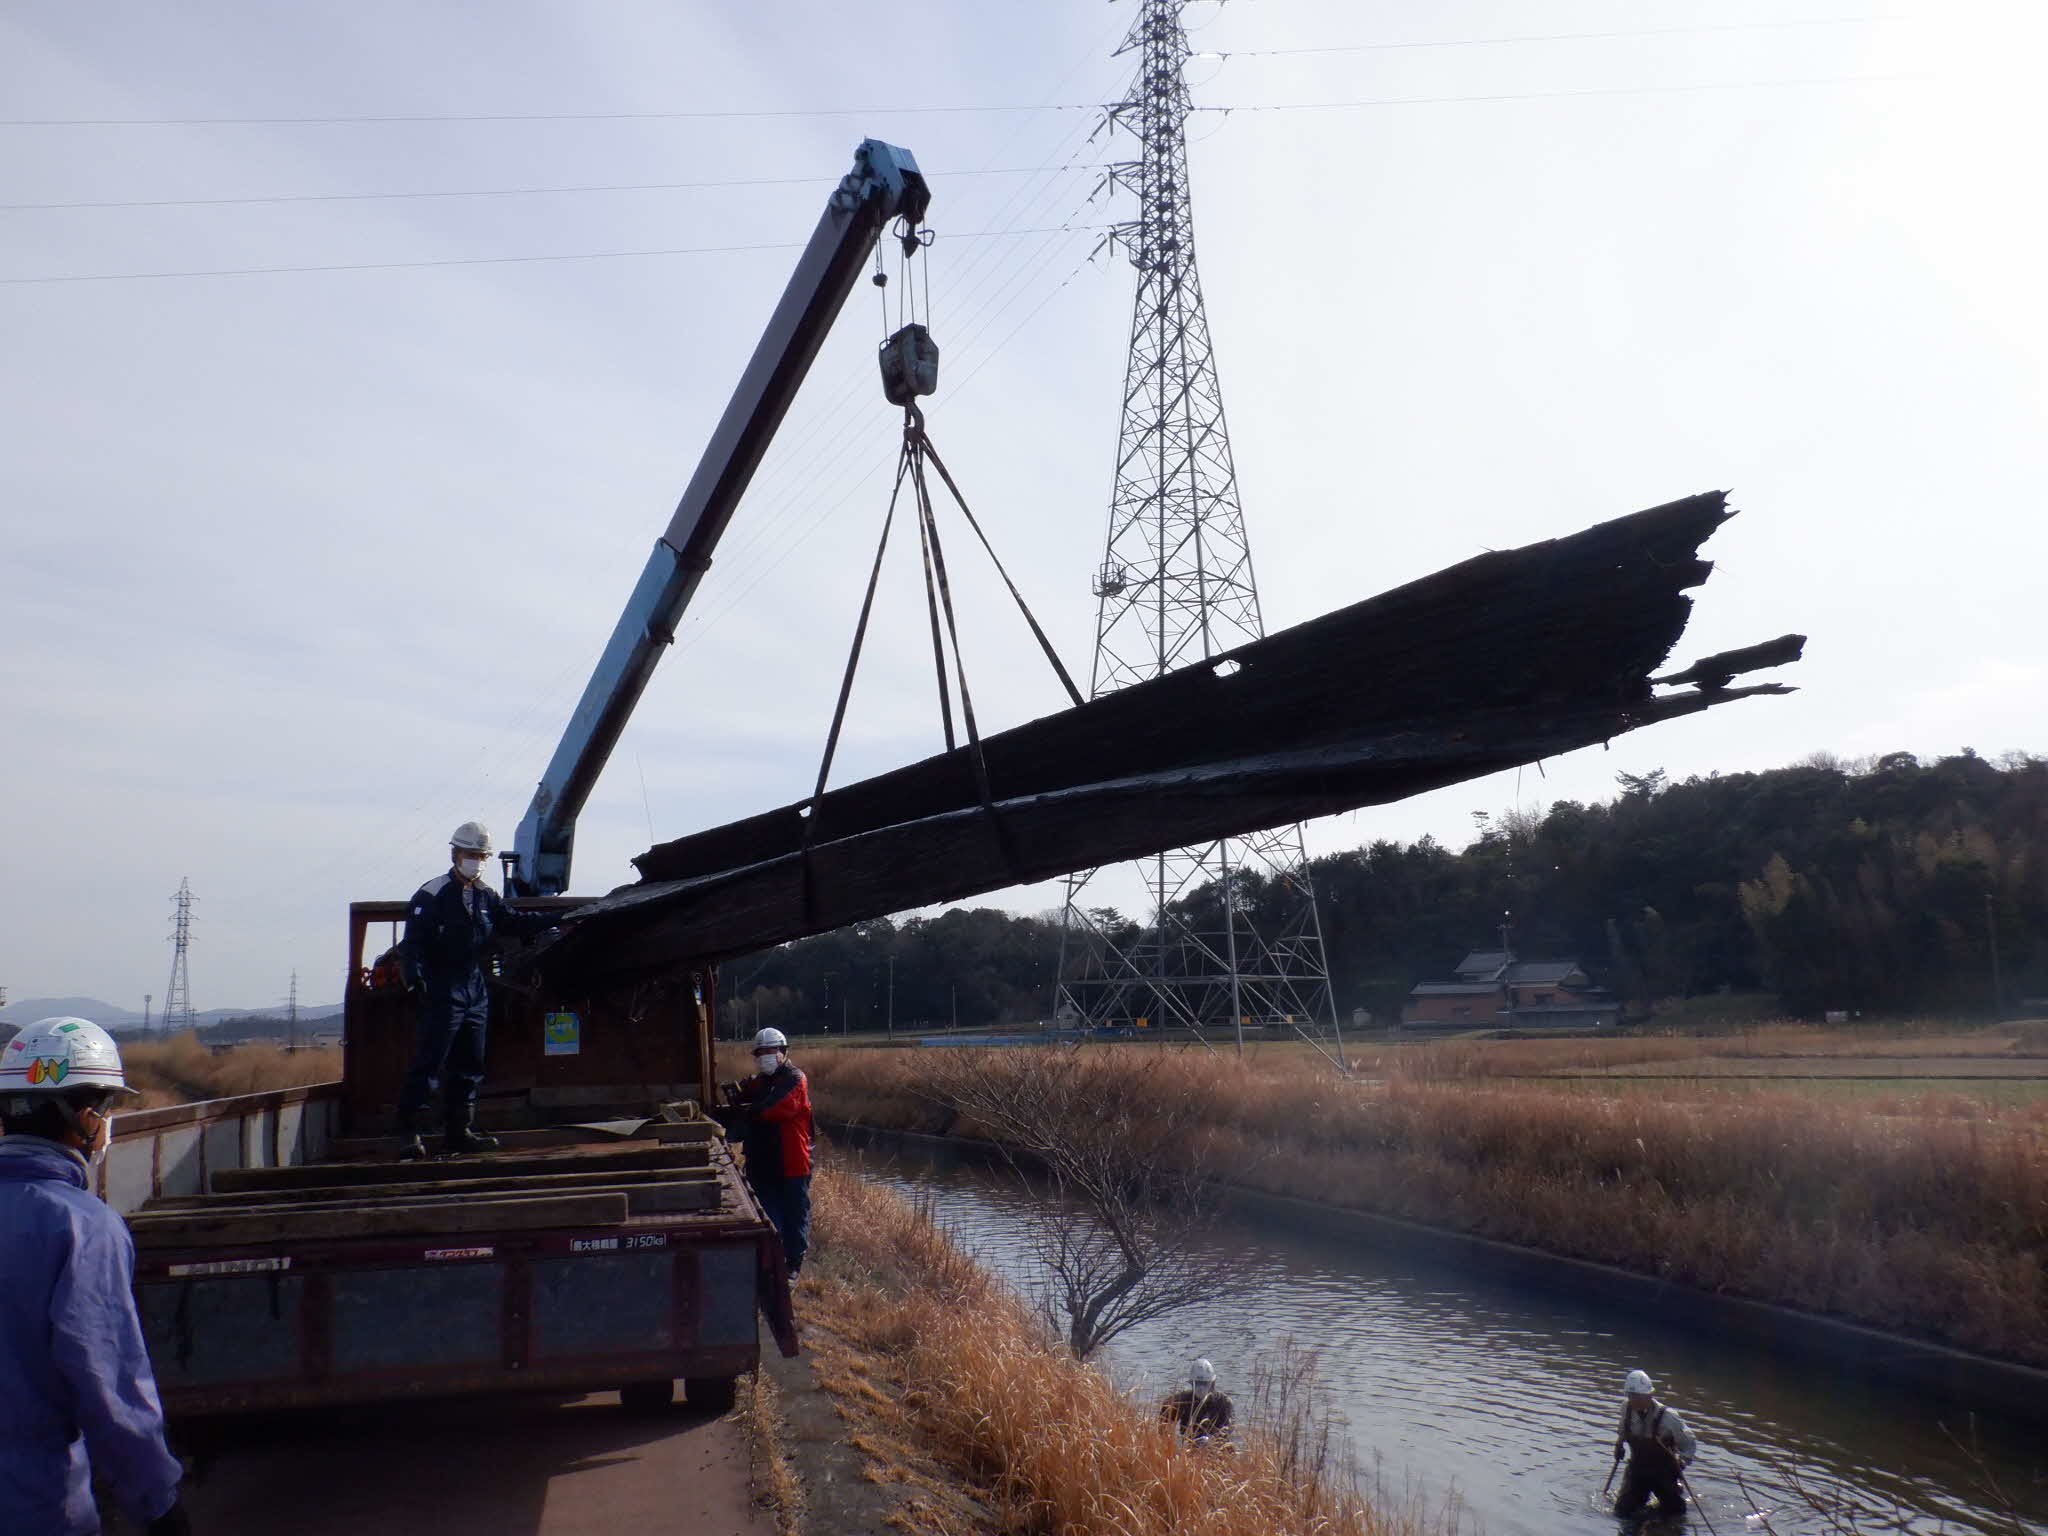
(101,1142)
(469,869)
(766,1065)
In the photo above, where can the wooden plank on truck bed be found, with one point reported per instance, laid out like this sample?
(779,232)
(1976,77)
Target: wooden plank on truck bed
(229,1181)
(247,1228)
(686,1191)
(515,1184)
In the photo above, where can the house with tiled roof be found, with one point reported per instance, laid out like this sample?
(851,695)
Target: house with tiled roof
(1491,989)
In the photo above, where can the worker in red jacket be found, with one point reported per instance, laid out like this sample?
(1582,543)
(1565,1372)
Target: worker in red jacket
(777,1142)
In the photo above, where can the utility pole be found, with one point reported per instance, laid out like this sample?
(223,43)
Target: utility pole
(178,995)
(1997,976)
(147,999)
(1233,930)
(892,997)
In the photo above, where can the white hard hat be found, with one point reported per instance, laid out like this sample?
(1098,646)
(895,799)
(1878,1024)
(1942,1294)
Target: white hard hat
(471,837)
(1202,1374)
(770,1040)
(52,1055)
(1639,1384)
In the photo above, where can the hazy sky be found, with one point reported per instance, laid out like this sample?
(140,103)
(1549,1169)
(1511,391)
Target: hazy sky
(305,567)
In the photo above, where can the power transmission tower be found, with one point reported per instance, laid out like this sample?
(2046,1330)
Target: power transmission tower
(177,1013)
(1232,935)
(292,1013)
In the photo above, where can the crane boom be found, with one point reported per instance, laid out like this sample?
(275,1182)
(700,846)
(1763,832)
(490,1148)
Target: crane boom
(883,184)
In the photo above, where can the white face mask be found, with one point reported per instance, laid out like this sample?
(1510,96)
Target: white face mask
(102,1141)
(766,1065)
(469,868)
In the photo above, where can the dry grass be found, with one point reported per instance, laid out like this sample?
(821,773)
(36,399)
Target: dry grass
(1925,1215)
(775,1481)
(1049,1443)
(182,1071)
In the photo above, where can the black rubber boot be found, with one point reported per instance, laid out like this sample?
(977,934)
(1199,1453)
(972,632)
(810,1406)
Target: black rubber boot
(410,1148)
(462,1135)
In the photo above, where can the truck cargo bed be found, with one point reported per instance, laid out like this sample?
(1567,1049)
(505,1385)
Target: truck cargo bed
(599,1263)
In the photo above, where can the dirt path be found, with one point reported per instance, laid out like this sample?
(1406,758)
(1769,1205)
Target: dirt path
(516,1467)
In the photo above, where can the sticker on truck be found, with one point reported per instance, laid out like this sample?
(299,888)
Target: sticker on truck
(228,1267)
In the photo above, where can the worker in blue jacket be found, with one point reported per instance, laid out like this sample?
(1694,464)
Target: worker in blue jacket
(77,1396)
(446,951)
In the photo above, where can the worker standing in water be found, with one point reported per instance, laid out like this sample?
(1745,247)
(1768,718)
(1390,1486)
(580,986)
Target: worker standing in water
(1198,1410)
(1659,1448)
(777,1138)
(450,926)
(78,1399)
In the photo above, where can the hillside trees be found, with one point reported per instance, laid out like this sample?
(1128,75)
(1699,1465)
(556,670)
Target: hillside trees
(1869,886)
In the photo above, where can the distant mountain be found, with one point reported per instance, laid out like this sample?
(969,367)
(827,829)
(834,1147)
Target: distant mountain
(121,1020)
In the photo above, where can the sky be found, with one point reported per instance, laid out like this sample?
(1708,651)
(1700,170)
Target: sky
(306,565)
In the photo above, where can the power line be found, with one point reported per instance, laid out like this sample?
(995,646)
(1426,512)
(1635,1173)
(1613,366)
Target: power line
(521,117)
(1060,106)
(369,197)
(466,261)
(1553,37)
(1590,91)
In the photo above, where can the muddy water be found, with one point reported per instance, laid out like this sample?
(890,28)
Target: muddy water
(1504,1399)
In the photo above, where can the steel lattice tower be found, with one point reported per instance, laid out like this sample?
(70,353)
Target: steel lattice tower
(177,1012)
(1176,586)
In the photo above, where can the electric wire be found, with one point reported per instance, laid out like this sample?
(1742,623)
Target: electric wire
(1553,37)
(461,192)
(1063,106)
(451,261)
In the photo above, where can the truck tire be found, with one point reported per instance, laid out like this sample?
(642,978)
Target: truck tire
(711,1394)
(647,1396)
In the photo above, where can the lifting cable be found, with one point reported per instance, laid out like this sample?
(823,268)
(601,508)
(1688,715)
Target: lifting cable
(910,368)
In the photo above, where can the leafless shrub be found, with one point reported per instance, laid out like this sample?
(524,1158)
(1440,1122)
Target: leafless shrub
(1123,1162)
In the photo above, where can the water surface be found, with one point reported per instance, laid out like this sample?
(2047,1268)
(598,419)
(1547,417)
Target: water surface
(1507,1397)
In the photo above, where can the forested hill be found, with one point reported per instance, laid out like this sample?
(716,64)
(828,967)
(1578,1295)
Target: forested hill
(1876,886)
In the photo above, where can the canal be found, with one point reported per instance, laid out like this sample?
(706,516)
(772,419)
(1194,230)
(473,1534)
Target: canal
(1505,1398)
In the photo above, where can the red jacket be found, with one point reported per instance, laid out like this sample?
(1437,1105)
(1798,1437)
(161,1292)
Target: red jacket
(778,1139)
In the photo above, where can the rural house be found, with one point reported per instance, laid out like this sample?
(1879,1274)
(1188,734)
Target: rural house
(1492,989)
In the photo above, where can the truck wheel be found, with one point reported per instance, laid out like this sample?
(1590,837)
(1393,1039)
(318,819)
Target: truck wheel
(711,1394)
(646,1396)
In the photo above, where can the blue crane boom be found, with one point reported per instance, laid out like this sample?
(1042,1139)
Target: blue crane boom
(884,184)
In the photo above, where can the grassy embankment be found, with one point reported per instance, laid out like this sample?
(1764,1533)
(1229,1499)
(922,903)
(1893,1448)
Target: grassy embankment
(1925,1213)
(949,1380)
(181,1070)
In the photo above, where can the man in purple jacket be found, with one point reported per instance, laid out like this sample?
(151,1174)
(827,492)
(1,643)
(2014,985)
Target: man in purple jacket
(77,1396)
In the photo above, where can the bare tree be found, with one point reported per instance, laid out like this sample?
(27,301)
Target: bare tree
(1116,1142)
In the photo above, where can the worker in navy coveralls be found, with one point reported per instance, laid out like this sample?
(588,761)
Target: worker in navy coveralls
(777,1102)
(78,1399)
(446,954)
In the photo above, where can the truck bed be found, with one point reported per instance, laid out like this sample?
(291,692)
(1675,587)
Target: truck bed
(573,1260)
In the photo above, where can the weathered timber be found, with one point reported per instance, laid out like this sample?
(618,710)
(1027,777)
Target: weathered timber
(691,1191)
(1502,660)
(309,1175)
(674,1196)
(206,1229)
(511,1185)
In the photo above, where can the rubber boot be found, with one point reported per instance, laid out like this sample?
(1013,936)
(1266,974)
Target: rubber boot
(410,1148)
(462,1135)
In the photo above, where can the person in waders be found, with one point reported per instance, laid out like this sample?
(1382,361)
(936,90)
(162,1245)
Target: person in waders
(1659,1448)
(1198,1410)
